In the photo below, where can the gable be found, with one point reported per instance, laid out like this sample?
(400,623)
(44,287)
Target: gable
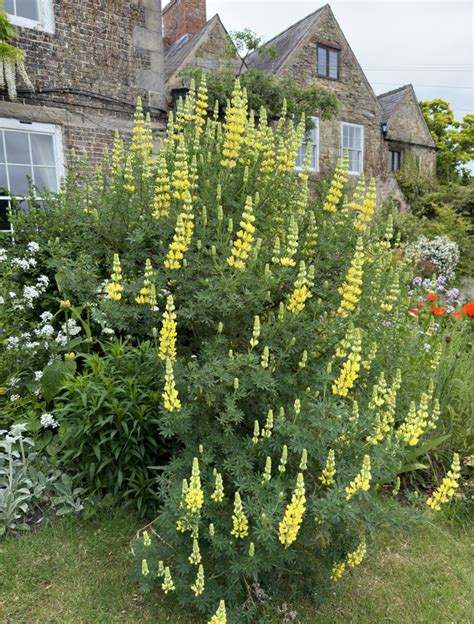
(208,50)
(405,119)
(299,61)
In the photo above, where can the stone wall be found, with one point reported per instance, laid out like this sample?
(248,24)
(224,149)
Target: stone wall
(358,102)
(89,72)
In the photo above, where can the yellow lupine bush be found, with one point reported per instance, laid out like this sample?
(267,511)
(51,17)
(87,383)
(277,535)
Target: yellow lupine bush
(270,358)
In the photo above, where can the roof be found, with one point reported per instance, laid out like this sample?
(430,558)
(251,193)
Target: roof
(391,99)
(284,43)
(177,53)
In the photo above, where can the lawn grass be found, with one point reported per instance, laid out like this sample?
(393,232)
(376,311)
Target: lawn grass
(76,571)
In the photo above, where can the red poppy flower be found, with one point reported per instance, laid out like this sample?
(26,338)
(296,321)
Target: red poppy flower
(438,311)
(457,314)
(421,304)
(414,311)
(431,296)
(469,309)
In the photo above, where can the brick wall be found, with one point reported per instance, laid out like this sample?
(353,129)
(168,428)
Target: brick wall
(89,72)
(182,17)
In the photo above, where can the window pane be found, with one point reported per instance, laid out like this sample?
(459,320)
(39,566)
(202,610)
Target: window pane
(18,150)
(322,62)
(42,149)
(300,156)
(3,178)
(354,161)
(45,177)
(27,8)
(18,179)
(2,151)
(9,7)
(4,223)
(333,63)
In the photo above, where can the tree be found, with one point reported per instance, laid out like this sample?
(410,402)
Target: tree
(454,139)
(12,60)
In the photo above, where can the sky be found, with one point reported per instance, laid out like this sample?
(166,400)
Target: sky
(429,43)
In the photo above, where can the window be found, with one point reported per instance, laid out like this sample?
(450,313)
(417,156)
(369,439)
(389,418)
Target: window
(312,137)
(394,160)
(328,62)
(353,141)
(31,14)
(31,150)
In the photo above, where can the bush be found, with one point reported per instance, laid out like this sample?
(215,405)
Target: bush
(440,253)
(267,340)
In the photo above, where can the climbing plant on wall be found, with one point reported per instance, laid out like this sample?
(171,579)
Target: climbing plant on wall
(12,59)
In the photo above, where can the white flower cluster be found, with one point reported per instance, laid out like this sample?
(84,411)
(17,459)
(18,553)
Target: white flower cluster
(441,251)
(48,421)
(28,262)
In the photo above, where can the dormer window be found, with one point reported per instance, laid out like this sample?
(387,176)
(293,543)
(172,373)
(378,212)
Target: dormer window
(328,62)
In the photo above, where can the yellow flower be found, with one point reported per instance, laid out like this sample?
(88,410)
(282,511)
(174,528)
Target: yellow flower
(301,292)
(162,199)
(168,332)
(240,522)
(337,571)
(70,356)
(329,471)
(202,103)
(168,585)
(416,423)
(358,196)
(255,333)
(393,294)
(195,556)
(367,209)
(147,293)
(290,525)
(338,182)
(291,244)
(128,176)
(234,127)
(170,394)
(218,494)
(267,475)
(245,237)
(351,367)
(114,287)
(198,585)
(220,616)
(182,236)
(145,570)
(195,496)
(146,539)
(356,557)
(180,178)
(362,480)
(449,484)
(351,289)
(311,237)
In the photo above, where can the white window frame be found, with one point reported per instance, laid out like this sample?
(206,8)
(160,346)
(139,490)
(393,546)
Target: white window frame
(346,123)
(49,129)
(45,22)
(314,169)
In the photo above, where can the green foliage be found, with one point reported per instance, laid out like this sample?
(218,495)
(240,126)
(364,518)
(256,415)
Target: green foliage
(454,140)
(112,433)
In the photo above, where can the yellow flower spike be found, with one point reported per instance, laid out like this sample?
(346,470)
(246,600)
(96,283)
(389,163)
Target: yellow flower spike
(267,475)
(138,131)
(161,569)
(362,481)
(291,244)
(351,289)
(114,287)
(202,103)
(170,394)
(293,517)
(190,102)
(198,585)
(416,423)
(329,471)
(146,539)
(240,522)
(195,557)
(128,176)
(194,498)
(255,332)
(145,295)
(145,570)
(220,616)
(301,292)
(245,237)
(304,460)
(168,332)
(367,210)
(267,431)
(392,296)
(283,459)
(234,128)
(276,256)
(351,367)
(218,494)
(256,432)
(311,237)
(168,585)
(180,181)
(338,182)
(356,557)
(162,199)
(265,357)
(182,236)
(337,571)
(448,486)
(359,194)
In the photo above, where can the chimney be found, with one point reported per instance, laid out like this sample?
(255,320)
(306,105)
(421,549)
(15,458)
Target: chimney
(182,17)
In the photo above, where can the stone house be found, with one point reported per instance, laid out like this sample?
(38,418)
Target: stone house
(88,61)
